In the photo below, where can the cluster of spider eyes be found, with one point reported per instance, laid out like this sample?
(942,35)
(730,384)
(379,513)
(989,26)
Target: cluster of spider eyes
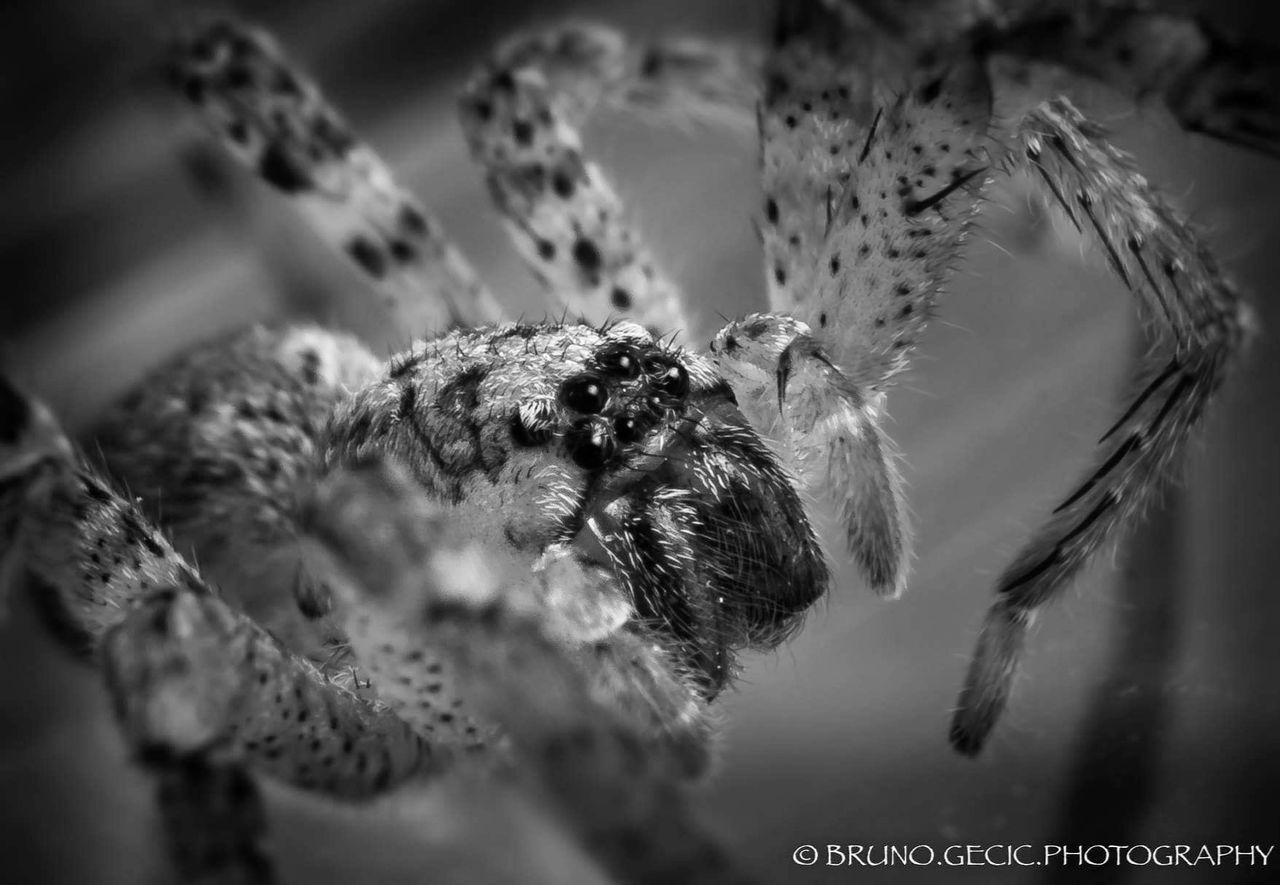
(621,395)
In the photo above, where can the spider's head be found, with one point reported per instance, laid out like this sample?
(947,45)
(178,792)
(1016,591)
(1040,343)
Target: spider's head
(634,452)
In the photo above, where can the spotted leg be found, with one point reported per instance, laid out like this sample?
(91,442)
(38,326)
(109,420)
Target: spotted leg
(523,115)
(1198,321)
(112,589)
(273,119)
(867,197)
(215,444)
(1211,83)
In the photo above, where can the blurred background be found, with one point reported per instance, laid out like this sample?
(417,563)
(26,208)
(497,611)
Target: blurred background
(1147,712)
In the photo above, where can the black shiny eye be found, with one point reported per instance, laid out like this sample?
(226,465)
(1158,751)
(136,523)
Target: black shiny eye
(529,429)
(629,429)
(584,393)
(655,406)
(667,376)
(590,443)
(621,360)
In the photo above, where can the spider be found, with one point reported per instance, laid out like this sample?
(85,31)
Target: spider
(533,551)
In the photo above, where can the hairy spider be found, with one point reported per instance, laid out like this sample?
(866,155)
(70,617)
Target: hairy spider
(536,549)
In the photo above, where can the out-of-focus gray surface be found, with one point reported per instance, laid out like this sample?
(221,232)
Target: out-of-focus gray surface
(114,261)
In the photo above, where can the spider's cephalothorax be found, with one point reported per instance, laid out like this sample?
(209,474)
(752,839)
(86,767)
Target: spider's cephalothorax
(535,435)
(541,544)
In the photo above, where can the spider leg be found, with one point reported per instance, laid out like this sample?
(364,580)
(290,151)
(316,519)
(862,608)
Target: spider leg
(578,605)
(161,666)
(113,589)
(592,763)
(522,115)
(274,120)
(1199,323)
(219,444)
(216,442)
(213,818)
(868,198)
(785,381)
(1211,83)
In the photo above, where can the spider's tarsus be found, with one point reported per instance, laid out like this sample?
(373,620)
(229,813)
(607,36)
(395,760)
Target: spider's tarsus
(989,679)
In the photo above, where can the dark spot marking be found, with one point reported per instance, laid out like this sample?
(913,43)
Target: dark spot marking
(412,219)
(587,254)
(562,183)
(930,91)
(282,170)
(368,256)
(771,210)
(402,251)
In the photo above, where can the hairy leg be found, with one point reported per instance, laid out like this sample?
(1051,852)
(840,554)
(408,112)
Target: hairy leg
(1211,83)
(274,120)
(592,762)
(1198,322)
(523,116)
(216,444)
(578,604)
(113,588)
(867,200)
(867,196)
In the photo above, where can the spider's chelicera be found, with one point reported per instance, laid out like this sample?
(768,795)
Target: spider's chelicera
(540,546)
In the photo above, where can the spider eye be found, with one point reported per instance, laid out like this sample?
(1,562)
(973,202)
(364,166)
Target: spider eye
(584,393)
(667,376)
(590,443)
(531,425)
(621,360)
(629,429)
